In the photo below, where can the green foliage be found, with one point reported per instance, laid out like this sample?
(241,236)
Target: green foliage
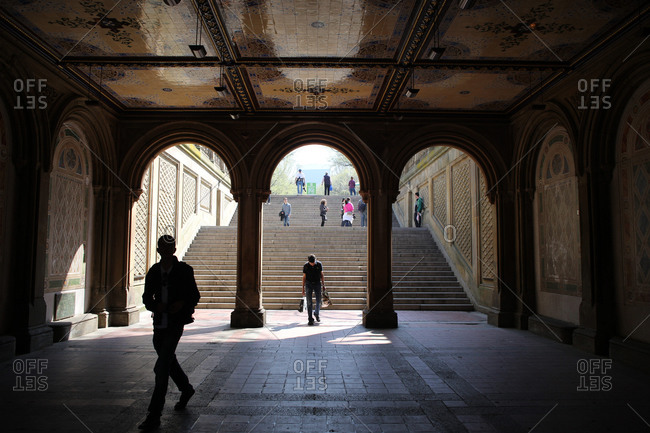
(282,182)
(341,178)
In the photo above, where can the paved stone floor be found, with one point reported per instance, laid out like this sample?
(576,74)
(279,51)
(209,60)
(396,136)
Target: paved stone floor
(439,372)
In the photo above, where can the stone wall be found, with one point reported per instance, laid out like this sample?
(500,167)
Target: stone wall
(458,214)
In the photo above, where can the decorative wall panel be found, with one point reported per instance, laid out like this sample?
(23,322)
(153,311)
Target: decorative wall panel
(486,218)
(440,198)
(634,171)
(462,207)
(67,217)
(141,234)
(558,219)
(189,196)
(167,192)
(206,196)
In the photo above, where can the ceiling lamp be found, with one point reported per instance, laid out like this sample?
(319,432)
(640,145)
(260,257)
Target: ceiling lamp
(465,4)
(171,2)
(197,49)
(234,116)
(221,89)
(435,53)
(411,92)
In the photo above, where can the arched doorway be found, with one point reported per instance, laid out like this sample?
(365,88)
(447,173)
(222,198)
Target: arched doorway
(185,193)
(460,221)
(341,250)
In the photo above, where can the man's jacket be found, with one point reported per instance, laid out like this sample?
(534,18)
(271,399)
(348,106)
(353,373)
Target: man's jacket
(181,287)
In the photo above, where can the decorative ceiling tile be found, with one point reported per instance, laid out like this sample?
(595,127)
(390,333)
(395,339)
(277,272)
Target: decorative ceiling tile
(529,29)
(468,90)
(98,28)
(317,28)
(316,89)
(138,87)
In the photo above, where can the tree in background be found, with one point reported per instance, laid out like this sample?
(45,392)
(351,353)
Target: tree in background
(282,182)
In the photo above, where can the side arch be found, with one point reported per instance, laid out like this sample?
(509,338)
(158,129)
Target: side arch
(481,150)
(145,149)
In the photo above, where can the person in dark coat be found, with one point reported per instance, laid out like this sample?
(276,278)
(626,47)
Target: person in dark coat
(170,292)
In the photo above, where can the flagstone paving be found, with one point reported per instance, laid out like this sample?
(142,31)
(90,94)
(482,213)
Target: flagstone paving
(438,372)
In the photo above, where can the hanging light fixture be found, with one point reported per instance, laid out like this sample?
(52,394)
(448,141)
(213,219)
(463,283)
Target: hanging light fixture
(221,89)
(198,49)
(411,92)
(437,51)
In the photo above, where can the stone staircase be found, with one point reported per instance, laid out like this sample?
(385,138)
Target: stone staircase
(423,280)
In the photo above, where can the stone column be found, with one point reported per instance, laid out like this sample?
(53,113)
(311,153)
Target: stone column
(504,301)
(98,263)
(379,312)
(249,312)
(28,236)
(597,309)
(122,310)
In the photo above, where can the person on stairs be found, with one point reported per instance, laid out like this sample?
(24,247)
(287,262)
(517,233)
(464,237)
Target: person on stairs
(170,292)
(323,211)
(313,282)
(348,213)
(286,208)
(361,206)
(419,207)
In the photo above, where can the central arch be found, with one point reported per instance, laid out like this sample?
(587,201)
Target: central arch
(338,138)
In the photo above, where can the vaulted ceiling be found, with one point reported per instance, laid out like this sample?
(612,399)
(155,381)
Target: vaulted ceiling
(290,56)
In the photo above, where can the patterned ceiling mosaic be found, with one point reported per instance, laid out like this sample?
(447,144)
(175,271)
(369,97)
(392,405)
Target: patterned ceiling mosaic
(317,28)
(316,89)
(143,87)
(530,29)
(101,28)
(471,90)
(359,47)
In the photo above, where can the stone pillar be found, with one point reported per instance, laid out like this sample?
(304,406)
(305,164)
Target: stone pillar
(504,301)
(379,312)
(28,237)
(122,310)
(525,252)
(597,309)
(249,312)
(98,263)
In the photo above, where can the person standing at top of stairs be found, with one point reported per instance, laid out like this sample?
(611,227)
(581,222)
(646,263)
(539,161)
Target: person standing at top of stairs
(327,182)
(300,181)
(353,186)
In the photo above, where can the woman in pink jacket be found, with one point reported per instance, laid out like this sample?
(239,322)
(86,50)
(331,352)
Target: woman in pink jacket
(348,210)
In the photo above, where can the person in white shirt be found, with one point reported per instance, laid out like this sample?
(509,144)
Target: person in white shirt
(300,181)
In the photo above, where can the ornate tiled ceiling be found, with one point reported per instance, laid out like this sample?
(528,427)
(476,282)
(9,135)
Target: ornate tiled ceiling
(329,55)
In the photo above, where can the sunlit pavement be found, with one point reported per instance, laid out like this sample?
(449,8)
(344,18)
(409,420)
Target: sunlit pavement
(438,372)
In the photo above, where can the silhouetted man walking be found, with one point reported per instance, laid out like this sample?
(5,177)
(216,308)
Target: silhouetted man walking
(170,292)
